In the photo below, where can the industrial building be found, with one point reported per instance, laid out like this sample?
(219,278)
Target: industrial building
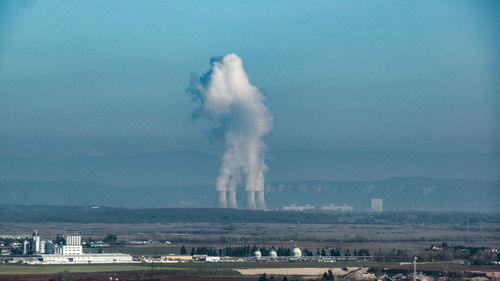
(332,207)
(72,246)
(181,258)
(86,258)
(35,245)
(294,207)
(39,251)
(377,205)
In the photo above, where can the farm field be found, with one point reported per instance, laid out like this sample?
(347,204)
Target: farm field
(212,271)
(286,234)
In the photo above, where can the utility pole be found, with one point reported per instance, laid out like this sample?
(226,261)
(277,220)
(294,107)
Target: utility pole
(415,269)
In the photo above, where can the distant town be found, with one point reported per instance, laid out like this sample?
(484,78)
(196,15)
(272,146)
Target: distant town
(376,206)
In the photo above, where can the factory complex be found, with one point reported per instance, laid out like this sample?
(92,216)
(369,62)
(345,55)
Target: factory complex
(69,251)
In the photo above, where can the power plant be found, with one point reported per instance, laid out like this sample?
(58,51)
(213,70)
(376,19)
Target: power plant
(237,108)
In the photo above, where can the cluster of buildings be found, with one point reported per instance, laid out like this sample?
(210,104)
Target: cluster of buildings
(344,208)
(36,246)
(307,207)
(38,251)
(294,207)
(376,206)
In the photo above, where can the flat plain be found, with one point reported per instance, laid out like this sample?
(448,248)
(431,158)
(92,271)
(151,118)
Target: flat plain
(276,234)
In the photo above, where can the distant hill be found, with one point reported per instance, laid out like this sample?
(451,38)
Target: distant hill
(302,165)
(318,178)
(408,193)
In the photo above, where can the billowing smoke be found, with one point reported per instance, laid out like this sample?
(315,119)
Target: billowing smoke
(237,108)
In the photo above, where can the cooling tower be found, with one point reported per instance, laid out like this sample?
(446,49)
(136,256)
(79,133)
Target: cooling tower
(222,199)
(261,203)
(251,200)
(232,199)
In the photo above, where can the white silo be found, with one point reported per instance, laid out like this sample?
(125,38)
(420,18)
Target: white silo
(257,254)
(296,252)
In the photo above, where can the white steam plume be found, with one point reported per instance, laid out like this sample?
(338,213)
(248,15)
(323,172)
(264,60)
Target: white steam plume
(237,107)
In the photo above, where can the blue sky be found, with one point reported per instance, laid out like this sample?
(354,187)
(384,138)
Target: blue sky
(111,76)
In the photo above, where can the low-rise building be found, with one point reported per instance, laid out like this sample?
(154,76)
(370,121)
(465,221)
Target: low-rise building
(98,244)
(332,207)
(71,250)
(294,207)
(177,258)
(86,258)
(4,252)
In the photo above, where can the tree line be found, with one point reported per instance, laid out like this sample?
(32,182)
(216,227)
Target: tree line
(247,251)
(21,213)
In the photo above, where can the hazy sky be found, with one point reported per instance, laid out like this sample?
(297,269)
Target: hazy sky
(111,76)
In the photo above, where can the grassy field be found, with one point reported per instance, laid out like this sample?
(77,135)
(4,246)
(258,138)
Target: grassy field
(47,269)
(207,268)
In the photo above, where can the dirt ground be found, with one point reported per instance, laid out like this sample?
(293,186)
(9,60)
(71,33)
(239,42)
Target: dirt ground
(306,271)
(105,277)
(223,275)
(250,274)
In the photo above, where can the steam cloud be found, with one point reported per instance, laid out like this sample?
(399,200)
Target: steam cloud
(237,107)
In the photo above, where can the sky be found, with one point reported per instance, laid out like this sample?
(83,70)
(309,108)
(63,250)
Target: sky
(110,77)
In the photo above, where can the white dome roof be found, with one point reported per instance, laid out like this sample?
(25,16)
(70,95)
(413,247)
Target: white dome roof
(296,252)
(257,254)
(273,254)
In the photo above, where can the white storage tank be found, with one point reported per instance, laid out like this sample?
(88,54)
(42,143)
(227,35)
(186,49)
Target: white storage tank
(296,252)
